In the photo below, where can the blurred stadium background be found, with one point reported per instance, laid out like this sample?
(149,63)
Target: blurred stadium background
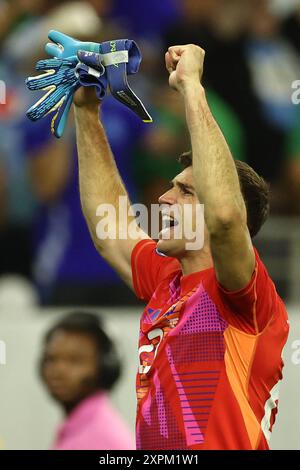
(47,261)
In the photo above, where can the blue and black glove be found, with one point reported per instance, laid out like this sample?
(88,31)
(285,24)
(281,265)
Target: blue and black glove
(60,82)
(76,64)
(61,79)
(120,58)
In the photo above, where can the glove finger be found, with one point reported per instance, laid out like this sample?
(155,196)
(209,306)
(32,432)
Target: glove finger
(46,80)
(91,59)
(59,120)
(40,82)
(62,45)
(65,45)
(46,104)
(48,64)
(56,63)
(59,38)
(64,76)
(53,50)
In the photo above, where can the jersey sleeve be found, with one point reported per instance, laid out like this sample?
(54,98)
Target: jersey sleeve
(149,268)
(249,309)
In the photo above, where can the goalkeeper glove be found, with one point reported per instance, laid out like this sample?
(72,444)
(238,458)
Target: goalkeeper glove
(121,58)
(61,78)
(63,75)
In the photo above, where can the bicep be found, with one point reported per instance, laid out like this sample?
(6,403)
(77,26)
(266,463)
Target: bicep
(233,256)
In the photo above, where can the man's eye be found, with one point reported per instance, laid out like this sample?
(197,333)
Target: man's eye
(186,191)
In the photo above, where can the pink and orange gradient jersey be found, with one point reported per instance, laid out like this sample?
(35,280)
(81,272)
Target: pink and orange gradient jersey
(210,360)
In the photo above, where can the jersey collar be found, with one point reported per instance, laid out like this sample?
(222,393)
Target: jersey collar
(189,281)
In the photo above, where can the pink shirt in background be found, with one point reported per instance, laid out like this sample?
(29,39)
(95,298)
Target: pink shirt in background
(94,425)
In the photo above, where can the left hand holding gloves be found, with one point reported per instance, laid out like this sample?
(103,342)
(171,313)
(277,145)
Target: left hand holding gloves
(90,64)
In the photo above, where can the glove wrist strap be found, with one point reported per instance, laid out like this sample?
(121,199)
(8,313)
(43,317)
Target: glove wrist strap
(122,58)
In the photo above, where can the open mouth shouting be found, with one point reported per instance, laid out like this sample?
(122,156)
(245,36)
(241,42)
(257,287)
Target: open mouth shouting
(168,225)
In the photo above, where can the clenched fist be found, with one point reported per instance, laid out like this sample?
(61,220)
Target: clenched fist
(185,65)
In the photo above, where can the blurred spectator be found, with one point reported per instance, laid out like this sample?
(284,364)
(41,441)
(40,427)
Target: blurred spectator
(289,186)
(146,20)
(274,65)
(17,204)
(79,366)
(193,24)
(290,27)
(14,12)
(71,17)
(274,60)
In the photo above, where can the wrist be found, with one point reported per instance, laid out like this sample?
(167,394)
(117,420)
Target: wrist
(86,115)
(193,90)
(196,106)
(85,98)
(87,108)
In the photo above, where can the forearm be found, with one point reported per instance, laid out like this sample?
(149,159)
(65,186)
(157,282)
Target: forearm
(99,179)
(101,183)
(216,178)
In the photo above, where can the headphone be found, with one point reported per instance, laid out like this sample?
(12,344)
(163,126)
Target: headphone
(109,364)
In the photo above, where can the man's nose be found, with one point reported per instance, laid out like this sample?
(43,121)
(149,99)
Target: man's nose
(168,197)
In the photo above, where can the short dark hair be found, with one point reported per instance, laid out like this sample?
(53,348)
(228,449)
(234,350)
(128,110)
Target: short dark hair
(91,324)
(255,191)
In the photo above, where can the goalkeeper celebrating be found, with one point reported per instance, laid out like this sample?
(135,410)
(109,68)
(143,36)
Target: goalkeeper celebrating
(213,330)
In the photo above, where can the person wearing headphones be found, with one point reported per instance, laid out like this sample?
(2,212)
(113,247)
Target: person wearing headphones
(79,366)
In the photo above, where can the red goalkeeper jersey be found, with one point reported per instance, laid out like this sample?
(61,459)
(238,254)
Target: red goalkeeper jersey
(210,360)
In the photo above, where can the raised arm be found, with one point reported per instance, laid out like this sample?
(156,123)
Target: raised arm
(216,179)
(100,183)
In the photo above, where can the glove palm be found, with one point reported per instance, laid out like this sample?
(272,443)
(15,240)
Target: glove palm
(60,82)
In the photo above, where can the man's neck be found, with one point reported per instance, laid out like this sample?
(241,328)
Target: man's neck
(194,261)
